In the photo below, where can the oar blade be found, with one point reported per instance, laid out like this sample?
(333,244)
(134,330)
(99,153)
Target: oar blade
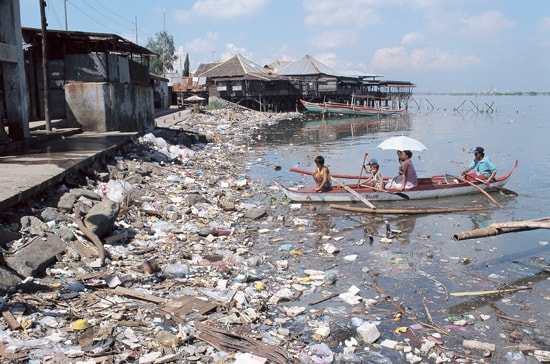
(402,195)
(506,191)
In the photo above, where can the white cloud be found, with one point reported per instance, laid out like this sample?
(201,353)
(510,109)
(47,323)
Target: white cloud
(232,50)
(337,26)
(332,14)
(542,37)
(222,9)
(334,39)
(420,59)
(488,24)
(203,45)
(328,59)
(412,38)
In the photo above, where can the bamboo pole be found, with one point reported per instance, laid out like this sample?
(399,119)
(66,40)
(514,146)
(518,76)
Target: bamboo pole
(503,228)
(435,210)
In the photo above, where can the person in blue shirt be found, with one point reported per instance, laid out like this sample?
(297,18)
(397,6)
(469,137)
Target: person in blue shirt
(483,166)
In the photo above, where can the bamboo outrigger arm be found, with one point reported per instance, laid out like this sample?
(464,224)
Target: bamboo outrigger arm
(503,228)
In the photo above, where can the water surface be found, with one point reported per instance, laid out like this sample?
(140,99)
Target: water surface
(423,262)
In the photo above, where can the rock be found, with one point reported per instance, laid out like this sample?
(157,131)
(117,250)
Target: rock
(36,256)
(34,225)
(52,214)
(7,235)
(255,213)
(101,217)
(8,279)
(66,202)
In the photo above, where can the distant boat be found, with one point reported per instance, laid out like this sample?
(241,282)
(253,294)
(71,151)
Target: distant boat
(353,108)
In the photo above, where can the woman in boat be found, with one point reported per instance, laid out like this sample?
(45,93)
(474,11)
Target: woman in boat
(375,180)
(407,173)
(321,176)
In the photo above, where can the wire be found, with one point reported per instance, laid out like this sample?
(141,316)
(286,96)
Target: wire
(52,10)
(107,15)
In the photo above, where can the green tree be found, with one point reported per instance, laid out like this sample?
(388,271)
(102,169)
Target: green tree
(186,66)
(163,46)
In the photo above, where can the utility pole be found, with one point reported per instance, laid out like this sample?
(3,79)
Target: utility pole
(136,32)
(163,44)
(66,24)
(45,64)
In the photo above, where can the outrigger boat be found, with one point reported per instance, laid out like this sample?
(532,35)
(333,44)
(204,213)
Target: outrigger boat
(431,187)
(353,108)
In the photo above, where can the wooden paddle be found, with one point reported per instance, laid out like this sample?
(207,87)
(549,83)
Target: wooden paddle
(400,194)
(479,189)
(367,158)
(354,193)
(501,189)
(362,167)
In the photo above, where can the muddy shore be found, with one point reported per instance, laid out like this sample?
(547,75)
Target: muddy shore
(203,264)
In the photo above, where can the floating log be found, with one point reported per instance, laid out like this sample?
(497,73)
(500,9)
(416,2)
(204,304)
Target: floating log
(503,228)
(435,210)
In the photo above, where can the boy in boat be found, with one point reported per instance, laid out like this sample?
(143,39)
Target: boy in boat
(484,167)
(375,180)
(321,176)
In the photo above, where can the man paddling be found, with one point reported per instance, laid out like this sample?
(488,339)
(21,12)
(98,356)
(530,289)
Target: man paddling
(484,167)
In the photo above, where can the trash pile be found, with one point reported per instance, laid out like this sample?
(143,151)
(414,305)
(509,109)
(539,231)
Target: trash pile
(171,254)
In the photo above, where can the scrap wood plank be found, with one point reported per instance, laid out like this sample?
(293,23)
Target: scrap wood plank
(10,320)
(19,356)
(228,341)
(185,305)
(133,293)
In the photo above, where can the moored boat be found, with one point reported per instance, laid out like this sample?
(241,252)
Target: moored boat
(438,186)
(353,108)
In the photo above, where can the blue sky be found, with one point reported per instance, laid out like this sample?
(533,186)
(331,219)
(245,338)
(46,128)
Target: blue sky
(440,45)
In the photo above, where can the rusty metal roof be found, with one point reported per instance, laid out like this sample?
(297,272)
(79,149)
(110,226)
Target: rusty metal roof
(307,65)
(239,67)
(85,42)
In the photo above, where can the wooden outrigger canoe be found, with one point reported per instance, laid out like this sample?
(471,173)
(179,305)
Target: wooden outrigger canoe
(350,109)
(438,186)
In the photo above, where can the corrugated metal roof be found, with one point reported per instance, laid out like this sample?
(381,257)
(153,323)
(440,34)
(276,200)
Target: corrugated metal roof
(307,65)
(85,42)
(238,66)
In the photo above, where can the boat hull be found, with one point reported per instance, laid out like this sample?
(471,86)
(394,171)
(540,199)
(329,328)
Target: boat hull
(440,186)
(348,109)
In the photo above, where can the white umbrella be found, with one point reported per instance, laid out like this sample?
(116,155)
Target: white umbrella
(402,143)
(194,98)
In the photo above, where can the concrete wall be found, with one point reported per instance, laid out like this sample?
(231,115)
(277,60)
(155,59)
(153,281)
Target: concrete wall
(102,106)
(14,88)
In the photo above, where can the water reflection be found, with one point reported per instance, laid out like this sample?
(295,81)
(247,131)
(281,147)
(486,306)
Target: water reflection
(368,226)
(302,131)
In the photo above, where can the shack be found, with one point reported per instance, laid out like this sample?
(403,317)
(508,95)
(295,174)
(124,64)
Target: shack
(246,83)
(97,81)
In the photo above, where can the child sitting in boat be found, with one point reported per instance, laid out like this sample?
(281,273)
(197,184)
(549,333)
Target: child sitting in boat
(321,176)
(375,179)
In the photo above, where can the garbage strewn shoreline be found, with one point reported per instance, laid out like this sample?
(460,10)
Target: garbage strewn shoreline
(197,268)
